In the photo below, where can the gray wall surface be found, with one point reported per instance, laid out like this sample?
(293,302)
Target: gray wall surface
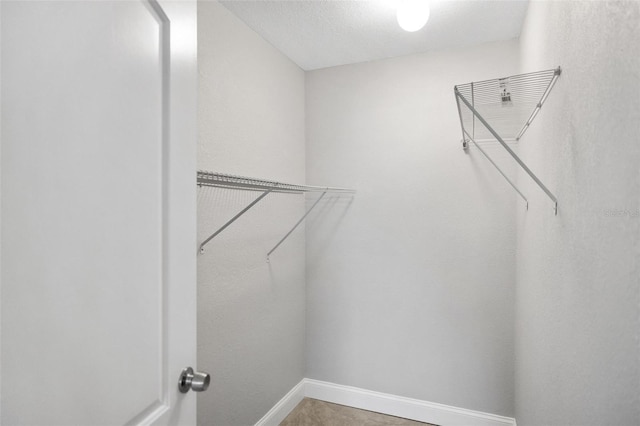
(433,282)
(410,287)
(578,297)
(251,314)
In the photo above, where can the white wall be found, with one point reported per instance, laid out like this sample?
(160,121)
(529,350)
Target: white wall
(411,286)
(251,315)
(578,294)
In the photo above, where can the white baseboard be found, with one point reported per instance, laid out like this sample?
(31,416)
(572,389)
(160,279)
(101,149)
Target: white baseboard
(284,406)
(409,408)
(414,409)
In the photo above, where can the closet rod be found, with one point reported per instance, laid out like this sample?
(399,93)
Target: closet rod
(509,150)
(221,180)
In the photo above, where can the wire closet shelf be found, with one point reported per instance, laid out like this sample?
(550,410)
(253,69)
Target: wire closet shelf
(502,110)
(221,180)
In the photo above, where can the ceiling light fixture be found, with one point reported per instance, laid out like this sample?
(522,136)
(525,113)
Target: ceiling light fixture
(412,14)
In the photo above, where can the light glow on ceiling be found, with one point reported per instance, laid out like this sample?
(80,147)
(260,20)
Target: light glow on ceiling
(412,14)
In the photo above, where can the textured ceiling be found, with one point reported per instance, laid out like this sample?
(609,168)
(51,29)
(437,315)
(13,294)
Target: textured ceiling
(325,33)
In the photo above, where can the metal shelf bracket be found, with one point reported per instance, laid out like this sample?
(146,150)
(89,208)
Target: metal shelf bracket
(295,226)
(233,219)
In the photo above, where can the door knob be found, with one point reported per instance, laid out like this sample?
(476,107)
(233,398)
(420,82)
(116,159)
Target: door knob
(197,382)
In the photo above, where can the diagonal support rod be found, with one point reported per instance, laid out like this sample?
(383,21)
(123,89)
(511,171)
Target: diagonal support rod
(510,151)
(295,226)
(233,219)
(498,168)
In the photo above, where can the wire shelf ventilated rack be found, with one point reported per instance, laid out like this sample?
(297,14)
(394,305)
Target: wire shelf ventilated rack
(265,187)
(502,110)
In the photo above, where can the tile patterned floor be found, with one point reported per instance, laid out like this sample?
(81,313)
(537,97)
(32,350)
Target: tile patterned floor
(311,412)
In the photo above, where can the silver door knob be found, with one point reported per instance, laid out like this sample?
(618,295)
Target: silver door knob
(197,382)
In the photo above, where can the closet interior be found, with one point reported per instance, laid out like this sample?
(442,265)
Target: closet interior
(430,293)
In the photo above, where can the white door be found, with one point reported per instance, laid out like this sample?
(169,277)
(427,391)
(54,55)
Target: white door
(97,266)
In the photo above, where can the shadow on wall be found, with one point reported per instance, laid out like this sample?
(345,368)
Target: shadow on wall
(488,179)
(216,206)
(323,223)
(251,235)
